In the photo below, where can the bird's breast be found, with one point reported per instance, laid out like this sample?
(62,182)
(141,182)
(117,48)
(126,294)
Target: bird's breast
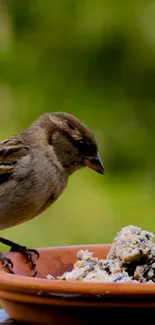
(33,187)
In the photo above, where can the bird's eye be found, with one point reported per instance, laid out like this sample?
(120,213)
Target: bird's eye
(81,142)
(81,145)
(85,148)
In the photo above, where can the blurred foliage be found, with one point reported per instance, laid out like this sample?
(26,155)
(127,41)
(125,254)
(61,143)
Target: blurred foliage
(95,60)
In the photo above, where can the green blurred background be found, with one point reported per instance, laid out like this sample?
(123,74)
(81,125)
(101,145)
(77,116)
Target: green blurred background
(94,59)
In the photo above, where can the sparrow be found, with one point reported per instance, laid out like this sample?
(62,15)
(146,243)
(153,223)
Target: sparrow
(35,167)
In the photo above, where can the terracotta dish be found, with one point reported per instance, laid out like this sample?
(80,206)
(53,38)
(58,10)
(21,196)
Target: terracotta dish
(41,301)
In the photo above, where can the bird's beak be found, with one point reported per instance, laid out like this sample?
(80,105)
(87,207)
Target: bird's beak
(95,163)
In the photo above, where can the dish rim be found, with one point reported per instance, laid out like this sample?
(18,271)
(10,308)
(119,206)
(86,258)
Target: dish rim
(27,284)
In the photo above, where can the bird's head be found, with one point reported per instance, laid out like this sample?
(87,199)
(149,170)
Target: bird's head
(74,144)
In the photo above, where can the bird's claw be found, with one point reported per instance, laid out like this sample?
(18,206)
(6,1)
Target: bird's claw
(21,249)
(6,263)
(34,251)
(27,253)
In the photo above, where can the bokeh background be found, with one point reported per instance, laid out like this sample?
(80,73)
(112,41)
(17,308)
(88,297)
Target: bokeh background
(96,60)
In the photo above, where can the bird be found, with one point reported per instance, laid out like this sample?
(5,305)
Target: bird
(35,166)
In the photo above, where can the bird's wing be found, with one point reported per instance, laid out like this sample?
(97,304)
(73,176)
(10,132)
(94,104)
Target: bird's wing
(11,151)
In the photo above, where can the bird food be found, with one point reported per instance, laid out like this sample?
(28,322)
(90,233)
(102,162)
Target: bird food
(130,259)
